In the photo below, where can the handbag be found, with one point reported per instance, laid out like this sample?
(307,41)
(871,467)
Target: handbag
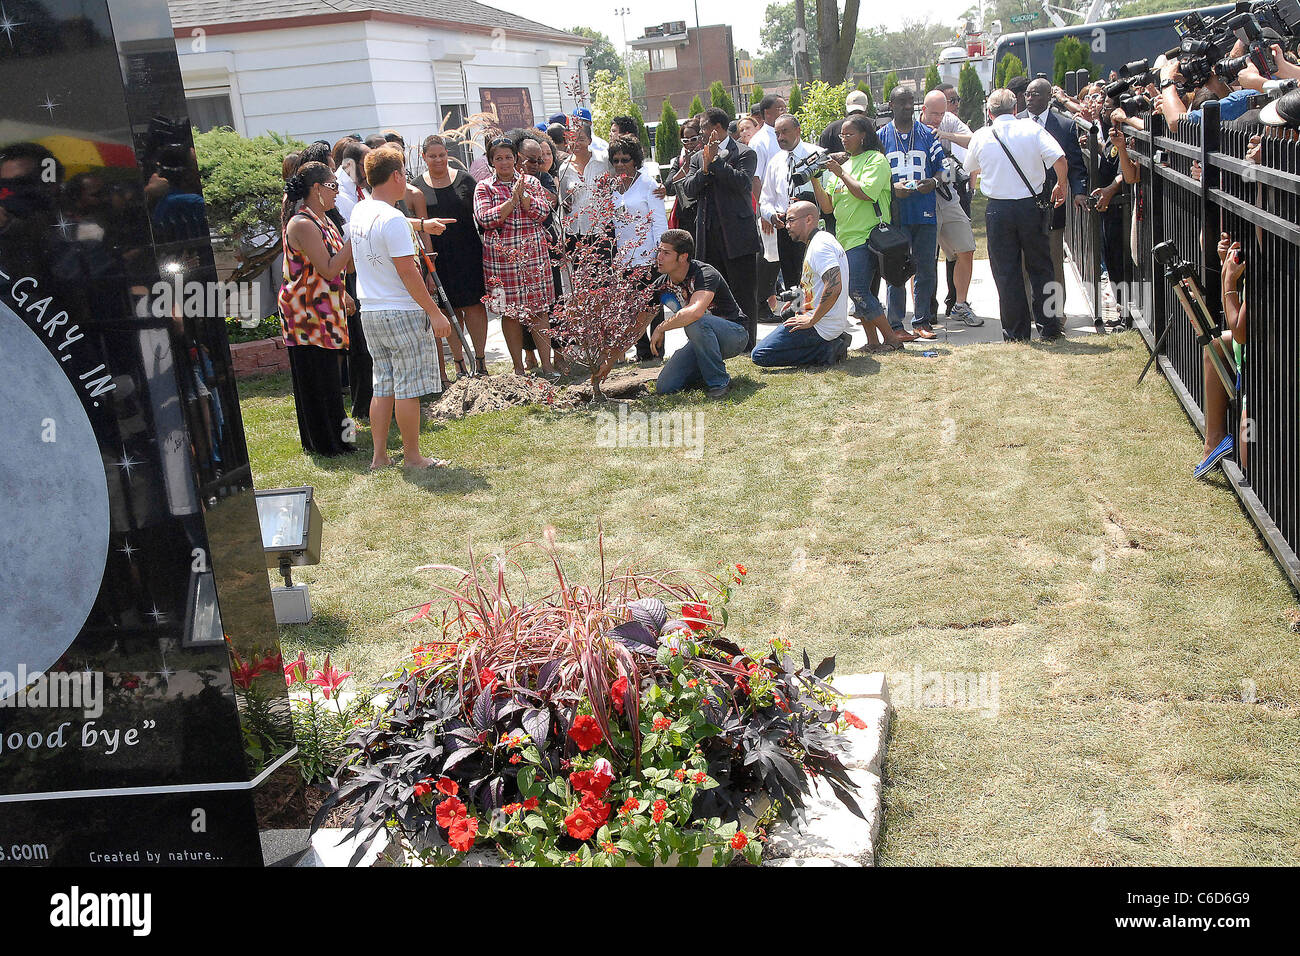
(892,247)
(1042,198)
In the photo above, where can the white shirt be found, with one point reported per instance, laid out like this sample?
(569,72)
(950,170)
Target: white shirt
(825,253)
(379,235)
(347,194)
(637,210)
(775,196)
(764,143)
(1032,146)
(599,144)
(575,187)
(952,123)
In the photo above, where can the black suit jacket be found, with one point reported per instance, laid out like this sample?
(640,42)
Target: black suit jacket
(724,197)
(1062,131)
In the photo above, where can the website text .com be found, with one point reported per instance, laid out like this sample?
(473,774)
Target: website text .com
(1203,923)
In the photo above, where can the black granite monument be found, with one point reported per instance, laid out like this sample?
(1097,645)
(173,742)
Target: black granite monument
(141,687)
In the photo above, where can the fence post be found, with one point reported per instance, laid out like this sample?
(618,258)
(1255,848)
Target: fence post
(1210,177)
(1155,226)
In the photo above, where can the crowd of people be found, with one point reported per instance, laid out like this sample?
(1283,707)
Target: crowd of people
(752,222)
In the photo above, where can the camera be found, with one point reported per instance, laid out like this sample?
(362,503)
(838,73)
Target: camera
(791,300)
(803,170)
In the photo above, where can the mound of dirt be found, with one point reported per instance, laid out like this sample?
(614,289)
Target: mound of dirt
(474,396)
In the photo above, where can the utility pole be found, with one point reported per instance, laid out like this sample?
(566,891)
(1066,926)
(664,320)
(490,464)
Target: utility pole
(621,13)
(699,50)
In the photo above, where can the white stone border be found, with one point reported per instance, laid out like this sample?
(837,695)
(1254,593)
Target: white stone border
(833,836)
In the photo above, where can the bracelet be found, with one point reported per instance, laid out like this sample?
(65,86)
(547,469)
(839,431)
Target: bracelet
(1232,292)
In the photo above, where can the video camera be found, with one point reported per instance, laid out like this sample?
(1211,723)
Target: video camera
(1205,43)
(803,170)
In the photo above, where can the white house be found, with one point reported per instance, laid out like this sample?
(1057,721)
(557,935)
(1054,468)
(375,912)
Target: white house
(320,69)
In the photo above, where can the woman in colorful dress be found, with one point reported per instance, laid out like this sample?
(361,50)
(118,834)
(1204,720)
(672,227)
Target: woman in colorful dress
(511,208)
(314,308)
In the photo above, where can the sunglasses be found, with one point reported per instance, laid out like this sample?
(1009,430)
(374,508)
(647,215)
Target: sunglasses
(334,186)
(954,99)
(621,160)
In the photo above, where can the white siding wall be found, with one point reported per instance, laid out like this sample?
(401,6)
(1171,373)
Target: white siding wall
(323,82)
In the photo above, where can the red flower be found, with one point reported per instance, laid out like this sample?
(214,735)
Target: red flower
(618,694)
(692,683)
(580,824)
(422,789)
(660,807)
(448,787)
(739,840)
(697,616)
(630,805)
(594,808)
(679,773)
(573,858)
(329,679)
(585,732)
(462,834)
(130,683)
(530,803)
(423,612)
(242,674)
(592,781)
(511,809)
(487,677)
(855,721)
(609,848)
(449,811)
(296,670)
(515,758)
(741,569)
(700,776)
(662,723)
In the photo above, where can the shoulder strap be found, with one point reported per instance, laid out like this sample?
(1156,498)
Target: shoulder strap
(1033,193)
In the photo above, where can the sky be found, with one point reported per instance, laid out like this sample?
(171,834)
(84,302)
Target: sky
(745,16)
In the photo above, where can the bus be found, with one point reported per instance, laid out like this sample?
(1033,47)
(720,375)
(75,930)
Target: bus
(1112,42)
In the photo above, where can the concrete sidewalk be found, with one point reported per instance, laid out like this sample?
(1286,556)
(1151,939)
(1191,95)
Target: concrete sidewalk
(983,296)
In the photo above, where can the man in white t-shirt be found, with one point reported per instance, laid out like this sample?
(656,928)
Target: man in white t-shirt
(397,312)
(819,333)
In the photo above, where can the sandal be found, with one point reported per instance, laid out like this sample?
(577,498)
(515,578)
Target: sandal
(480,366)
(461,370)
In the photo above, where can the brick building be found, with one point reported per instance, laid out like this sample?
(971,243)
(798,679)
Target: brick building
(676,55)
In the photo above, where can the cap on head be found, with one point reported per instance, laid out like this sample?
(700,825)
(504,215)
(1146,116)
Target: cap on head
(855,102)
(1283,111)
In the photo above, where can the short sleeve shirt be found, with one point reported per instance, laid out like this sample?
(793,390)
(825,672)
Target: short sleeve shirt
(913,156)
(701,276)
(823,255)
(380,234)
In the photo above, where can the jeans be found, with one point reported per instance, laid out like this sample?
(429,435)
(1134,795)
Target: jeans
(1014,230)
(709,342)
(925,242)
(784,347)
(862,268)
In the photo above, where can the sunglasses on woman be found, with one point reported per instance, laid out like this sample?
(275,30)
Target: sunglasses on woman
(333,185)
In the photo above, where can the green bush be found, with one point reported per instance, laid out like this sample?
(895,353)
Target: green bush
(243,182)
(971,91)
(864,87)
(645,133)
(1009,67)
(719,97)
(609,98)
(697,107)
(1068,55)
(668,137)
(823,105)
(891,81)
(268,328)
(932,78)
(795,103)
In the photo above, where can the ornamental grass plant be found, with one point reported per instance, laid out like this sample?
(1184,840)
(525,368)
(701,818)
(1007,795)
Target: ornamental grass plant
(589,725)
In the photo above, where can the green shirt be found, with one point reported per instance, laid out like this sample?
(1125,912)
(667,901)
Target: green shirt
(854,219)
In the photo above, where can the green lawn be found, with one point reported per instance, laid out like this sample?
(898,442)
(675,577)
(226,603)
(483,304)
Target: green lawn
(1017,510)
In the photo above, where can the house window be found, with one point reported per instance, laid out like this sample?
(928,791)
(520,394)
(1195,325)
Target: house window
(208,111)
(665,59)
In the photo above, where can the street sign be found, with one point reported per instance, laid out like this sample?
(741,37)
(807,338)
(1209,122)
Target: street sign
(1023,17)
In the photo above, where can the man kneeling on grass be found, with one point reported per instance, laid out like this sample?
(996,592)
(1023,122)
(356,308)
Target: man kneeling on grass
(819,334)
(714,325)
(397,312)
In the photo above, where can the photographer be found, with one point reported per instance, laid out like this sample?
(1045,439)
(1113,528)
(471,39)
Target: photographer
(819,333)
(1115,169)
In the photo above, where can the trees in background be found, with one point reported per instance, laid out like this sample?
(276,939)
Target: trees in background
(1068,55)
(668,137)
(932,77)
(971,91)
(719,97)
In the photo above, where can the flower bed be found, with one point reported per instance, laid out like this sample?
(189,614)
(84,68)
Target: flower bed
(591,726)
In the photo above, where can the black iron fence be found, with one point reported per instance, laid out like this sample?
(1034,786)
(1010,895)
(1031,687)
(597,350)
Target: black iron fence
(1196,182)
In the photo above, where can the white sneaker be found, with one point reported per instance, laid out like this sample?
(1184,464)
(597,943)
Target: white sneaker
(963,311)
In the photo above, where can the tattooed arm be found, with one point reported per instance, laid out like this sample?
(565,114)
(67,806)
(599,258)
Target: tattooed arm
(832,289)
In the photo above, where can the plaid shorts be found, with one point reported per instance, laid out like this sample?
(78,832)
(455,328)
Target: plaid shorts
(404,353)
